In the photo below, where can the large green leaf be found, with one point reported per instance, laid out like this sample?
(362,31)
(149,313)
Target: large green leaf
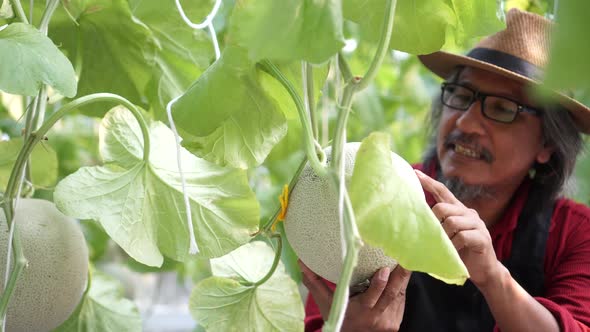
(392,213)
(288,29)
(183,53)
(114,51)
(28,59)
(140,204)
(227,117)
(43,163)
(103,308)
(475,18)
(569,45)
(226,303)
(418,28)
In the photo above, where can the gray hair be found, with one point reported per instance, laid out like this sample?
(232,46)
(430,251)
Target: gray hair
(552,178)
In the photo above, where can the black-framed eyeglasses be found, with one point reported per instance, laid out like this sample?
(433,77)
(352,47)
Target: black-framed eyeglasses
(493,107)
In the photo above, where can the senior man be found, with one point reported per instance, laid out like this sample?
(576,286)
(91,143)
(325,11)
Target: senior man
(501,160)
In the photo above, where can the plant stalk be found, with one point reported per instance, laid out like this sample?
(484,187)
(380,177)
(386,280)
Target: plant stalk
(275,262)
(351,238)
(310,98)
(18,9)
(21,160)
(309,142)
(344,68)
(266,227)
(353,245)
(383,46)
(47,14)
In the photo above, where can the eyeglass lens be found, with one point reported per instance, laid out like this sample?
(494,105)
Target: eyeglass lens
(496,108)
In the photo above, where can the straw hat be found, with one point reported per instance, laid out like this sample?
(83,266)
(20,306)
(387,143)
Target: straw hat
(520,52)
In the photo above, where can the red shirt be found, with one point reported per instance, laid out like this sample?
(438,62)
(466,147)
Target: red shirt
(567,262)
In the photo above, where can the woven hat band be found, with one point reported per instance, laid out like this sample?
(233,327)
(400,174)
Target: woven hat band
(507,61)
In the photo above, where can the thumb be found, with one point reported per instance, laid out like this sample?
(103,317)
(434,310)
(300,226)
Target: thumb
(321,293)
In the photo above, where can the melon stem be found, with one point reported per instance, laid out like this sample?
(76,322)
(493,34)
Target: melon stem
(315,156)
(350,236)
(274,265)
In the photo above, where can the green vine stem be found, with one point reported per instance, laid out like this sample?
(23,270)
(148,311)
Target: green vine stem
(274,266)
(309,142)
(18,9)
(344,68)
(352,241)
(47,14)
(21,160)
(383,46)
(267,226)
(310,98)
(353,245)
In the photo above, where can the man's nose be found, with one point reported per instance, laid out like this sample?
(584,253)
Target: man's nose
(471,121)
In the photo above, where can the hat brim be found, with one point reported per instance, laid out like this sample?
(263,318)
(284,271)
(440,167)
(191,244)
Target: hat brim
(443,64)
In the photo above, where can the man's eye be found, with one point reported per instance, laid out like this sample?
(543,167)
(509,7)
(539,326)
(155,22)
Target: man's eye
(462,98)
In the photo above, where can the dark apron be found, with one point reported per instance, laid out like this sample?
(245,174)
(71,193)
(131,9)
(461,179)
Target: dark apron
(432,305)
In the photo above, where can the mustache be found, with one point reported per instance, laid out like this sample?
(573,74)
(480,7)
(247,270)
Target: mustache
(468,140)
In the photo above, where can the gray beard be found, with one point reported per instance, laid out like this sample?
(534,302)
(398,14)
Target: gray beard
(465,192)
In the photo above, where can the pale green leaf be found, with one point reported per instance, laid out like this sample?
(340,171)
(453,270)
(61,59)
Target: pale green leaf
(568,66)
(225,303)
(391,213)
(418,26)
(114,51)
(140,204)
(43,163)
(6,9)
(475,19)
(289,29)
(227,117)
(103,308)
(28,59)
(183,52)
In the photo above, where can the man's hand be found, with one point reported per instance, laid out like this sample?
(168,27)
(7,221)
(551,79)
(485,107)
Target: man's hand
(467,232)
(379,308)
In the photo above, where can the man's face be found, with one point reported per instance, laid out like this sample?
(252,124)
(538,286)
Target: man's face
(482,152)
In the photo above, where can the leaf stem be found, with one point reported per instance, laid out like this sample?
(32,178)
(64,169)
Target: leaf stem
(308,85)
(275,262)
(47,14)
(266,227)
(353,245)
(383,46)
(18,9)
(308,140)
(350,236)
(344,68)
(20,262)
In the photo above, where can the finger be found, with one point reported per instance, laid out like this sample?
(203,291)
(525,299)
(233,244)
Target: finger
(321,293)
(437,189)
(378,283)
(472,239)
(394,293)
(455,224)
(444,210)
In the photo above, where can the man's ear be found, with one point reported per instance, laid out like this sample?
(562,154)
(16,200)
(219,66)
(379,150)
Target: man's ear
(545,154)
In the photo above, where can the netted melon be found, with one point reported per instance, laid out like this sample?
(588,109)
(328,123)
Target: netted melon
(313,229)
(51,286)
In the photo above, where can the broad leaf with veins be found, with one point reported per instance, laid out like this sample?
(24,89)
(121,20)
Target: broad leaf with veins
(28,59)
(392,213)
(288,29)
(227,117)
(227,300)
(140,204)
